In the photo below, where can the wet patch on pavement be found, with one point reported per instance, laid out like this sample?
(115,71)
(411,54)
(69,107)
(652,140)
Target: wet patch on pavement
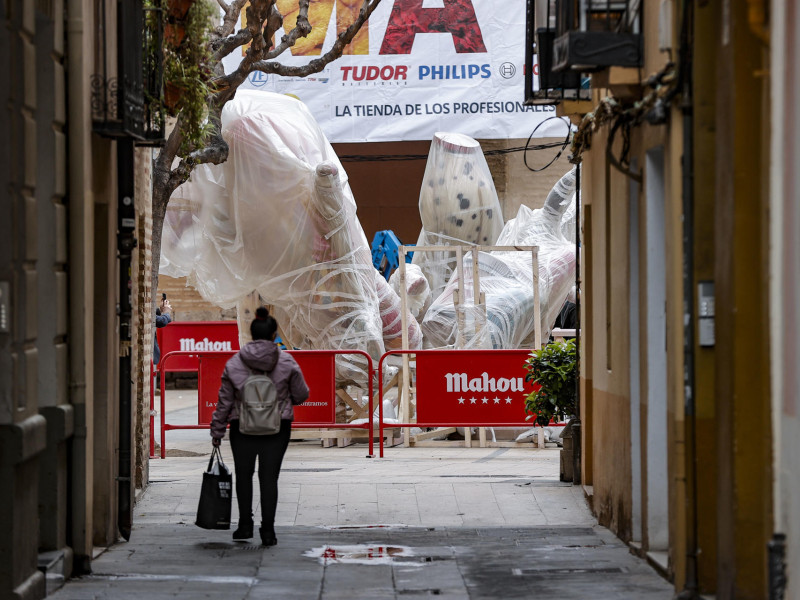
(360,554)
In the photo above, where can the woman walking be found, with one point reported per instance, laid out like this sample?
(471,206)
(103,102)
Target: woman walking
(260,356)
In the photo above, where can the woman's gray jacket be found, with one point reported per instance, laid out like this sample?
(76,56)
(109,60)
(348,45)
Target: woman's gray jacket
(258,356)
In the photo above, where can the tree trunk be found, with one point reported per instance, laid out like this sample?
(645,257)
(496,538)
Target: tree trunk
(159,212)
(161,195)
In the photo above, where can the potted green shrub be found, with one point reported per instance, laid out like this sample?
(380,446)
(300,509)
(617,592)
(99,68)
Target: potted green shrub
(552,371)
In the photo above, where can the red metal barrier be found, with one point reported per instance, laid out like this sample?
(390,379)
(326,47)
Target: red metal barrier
(318,367)
(465,388)
(152,410)
(194,337)
(185,336)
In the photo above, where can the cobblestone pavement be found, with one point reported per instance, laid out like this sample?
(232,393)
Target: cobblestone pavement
(449,522)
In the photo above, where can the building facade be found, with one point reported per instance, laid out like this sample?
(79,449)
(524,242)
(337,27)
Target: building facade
(688,330)
(60,337)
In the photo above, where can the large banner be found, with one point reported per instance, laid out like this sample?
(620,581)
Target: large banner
(417,67)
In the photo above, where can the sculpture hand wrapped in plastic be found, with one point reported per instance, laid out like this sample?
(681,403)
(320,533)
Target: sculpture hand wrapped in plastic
(506,281)
(278,217)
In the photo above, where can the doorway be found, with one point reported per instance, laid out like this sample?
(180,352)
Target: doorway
(656,323)
(635,368)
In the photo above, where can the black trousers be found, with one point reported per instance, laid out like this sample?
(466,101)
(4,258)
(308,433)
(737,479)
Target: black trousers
(269,449)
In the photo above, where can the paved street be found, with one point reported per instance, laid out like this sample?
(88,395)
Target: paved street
(448,522)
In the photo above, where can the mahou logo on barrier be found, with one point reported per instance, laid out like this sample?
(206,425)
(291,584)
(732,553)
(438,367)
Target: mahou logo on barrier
(460,382)
(204,345)
(196,336)
(472,386)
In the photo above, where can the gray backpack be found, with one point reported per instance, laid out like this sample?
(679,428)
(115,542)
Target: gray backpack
(259,411)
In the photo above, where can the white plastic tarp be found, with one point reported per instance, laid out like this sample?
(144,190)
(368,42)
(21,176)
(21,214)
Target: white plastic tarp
(278,218)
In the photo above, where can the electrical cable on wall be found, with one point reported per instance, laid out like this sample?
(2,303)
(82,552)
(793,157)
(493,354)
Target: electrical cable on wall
(487,153)
(563,144)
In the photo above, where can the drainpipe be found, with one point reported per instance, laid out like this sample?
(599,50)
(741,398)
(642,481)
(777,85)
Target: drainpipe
(576,422)
(691,585)
(126,242)
(80,297)
(690,590)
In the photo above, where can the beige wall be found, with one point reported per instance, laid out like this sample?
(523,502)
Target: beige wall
(607,359)
(733,500)
(608,371)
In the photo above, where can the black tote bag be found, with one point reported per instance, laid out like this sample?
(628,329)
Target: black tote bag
(214,510)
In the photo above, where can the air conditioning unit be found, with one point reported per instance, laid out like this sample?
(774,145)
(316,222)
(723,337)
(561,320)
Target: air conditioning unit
(595,34)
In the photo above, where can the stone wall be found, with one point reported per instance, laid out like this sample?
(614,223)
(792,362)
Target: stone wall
(188,304)
(142,316)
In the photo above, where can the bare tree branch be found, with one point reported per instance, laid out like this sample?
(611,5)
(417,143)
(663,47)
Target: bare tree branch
(227,85)
(316,65)
(257,14)
(227,45)
(274,22)
(301,29)
(162,166)
(260,41)
(215,151)
(231,17)
(263,21)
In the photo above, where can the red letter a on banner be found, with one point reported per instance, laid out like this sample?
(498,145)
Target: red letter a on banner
(408,18)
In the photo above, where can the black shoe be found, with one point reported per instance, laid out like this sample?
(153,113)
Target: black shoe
(244,531)
(267,536)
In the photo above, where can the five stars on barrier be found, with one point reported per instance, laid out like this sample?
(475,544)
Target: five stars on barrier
(484,400)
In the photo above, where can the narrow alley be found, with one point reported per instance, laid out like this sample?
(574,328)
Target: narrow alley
(445,522)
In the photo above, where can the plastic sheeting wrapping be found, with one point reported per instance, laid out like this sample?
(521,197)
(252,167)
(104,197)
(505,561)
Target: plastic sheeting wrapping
(418,290)
(278,218)
(457,203)
(506,280)
(568,220)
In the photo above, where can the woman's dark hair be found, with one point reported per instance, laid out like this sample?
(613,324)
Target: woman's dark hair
(263,326)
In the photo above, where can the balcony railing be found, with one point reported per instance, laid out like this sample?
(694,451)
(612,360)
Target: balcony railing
(543,84)
(126,96)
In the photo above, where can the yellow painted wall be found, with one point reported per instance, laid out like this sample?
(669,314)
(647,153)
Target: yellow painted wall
(742,367)
(730,185)
(704,67)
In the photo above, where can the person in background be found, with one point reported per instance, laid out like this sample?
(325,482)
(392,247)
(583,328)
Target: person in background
(163,318)
(260,355)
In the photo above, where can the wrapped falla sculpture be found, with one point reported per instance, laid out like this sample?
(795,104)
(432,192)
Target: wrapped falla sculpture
(458,205)
(507,318)
(279,218)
